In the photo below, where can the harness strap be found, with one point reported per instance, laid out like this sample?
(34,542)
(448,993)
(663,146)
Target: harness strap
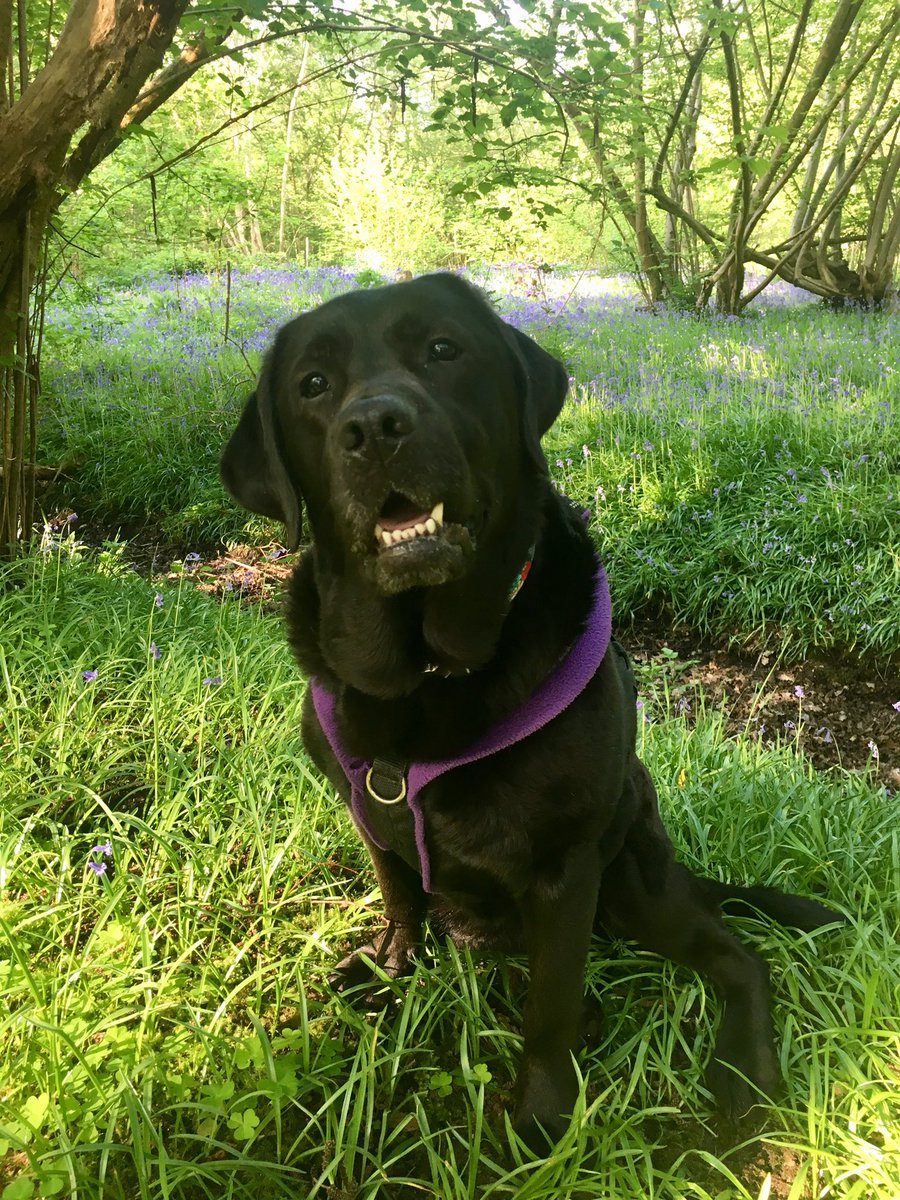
(376,789)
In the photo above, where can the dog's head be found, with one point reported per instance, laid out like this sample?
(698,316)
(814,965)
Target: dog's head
(407,419)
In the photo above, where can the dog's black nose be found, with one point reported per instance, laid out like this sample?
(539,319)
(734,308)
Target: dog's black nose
(373,420)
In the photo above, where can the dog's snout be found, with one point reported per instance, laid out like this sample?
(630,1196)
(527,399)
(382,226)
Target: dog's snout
(376,420)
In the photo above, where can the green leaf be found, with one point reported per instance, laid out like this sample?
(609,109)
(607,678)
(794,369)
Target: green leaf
(442,1083)
(35,1109)
(19,1189)
(215,1094)
(243,1124)
(247,1053)
(509,111)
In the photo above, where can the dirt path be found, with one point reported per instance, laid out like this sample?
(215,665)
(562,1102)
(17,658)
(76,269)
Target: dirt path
(838,712)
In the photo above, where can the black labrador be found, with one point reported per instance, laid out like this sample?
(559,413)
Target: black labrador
(447,591)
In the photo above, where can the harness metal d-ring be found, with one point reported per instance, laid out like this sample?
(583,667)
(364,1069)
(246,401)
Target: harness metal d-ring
(385,799)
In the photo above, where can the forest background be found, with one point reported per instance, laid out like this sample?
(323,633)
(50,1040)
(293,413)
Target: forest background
(687,142)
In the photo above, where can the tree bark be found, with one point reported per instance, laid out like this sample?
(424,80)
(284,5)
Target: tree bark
(286,162)
(104,54)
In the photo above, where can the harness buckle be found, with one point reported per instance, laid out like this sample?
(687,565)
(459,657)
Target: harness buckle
(385,799)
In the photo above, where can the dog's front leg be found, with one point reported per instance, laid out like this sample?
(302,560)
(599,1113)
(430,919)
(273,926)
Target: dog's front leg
(404,909)
(558,920)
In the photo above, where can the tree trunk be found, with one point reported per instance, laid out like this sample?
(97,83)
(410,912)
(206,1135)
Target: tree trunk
(883,242)
(681,245)
(286,162)
(640,224)
(94,86)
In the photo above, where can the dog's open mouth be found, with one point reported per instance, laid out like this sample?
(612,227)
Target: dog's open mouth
(415,546)
(403,520)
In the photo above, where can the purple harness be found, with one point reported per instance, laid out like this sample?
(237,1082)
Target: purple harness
(566,681)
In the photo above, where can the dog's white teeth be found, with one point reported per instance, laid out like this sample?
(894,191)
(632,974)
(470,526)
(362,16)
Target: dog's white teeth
(432,523)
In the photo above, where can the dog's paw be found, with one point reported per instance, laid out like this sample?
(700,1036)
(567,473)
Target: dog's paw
(356,969)
(388,955)
(540,1134)
(544,1101)
(742,1077)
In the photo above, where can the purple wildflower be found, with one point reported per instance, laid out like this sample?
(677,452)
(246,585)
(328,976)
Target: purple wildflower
(154,650)
(99,868)
(212,681)
(158,600)
(89,675)
(799,692)
(104,848)
(896,705)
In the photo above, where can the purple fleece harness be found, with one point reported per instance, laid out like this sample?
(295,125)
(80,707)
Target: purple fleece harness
(566,681)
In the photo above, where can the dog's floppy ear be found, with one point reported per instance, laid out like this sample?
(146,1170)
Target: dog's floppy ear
(546,384)
(252,468)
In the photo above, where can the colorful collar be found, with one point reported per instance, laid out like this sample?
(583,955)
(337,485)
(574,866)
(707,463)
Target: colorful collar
(400,827)
(516,586)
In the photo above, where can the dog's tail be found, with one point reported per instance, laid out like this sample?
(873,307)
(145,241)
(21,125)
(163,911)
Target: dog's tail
(796,912)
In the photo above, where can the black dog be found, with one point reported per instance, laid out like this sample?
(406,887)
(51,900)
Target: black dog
(466,699)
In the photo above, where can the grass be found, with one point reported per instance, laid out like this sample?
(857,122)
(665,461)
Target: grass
(168,1028)
(175,881)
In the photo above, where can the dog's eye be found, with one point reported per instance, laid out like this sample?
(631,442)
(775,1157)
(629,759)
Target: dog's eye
(313,385)
(443,350)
